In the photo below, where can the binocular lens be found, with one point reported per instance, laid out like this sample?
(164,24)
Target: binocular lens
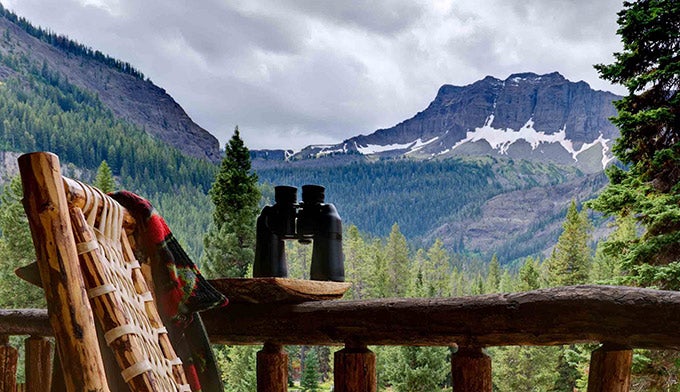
(313,194)
(285,194)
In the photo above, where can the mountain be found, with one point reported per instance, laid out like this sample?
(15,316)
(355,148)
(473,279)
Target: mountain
(544,118)
(120,87)
(490,167)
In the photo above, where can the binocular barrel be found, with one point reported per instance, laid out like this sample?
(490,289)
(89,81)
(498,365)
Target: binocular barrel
(312,220)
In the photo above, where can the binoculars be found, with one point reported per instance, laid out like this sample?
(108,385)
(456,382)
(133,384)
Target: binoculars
(309,221)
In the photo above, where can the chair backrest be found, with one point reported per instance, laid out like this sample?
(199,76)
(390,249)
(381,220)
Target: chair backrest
(88,270)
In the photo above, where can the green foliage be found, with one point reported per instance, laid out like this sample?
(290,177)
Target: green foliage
(16,250)
(571,259)
(529,275)
(230,242)
(493,278)
(38,104)
(104,178)
(238,366)
(398,265)
(310,372)
(418,369)
(606,264)
(649,120)
(524,369)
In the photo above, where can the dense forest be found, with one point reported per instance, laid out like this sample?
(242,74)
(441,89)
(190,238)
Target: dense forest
(416,195)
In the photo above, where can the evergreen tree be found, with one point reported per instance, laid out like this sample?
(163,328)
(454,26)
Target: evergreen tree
(607,261)
(238,367)
(16,250)
(571,259)
(567,375)
(104,178)
(310,372)
(436,271)
(648,187)
(230,242)
(529,276)
(356,263)
(493,278)
(378,285)
(418,369)
(398,265)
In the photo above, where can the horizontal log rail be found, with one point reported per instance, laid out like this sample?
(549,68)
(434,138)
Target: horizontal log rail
(622,316)
(619,317)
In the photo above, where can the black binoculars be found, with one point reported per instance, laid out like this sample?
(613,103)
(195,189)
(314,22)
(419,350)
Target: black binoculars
(309,221)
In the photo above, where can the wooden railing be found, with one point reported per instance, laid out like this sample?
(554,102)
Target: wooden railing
(620,318)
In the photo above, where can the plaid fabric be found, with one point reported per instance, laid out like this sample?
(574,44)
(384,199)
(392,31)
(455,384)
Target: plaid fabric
(181,291)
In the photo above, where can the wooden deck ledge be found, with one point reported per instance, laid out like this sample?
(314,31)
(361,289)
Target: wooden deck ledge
(622,316)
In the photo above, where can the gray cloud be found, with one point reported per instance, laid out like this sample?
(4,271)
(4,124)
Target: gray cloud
(292,73)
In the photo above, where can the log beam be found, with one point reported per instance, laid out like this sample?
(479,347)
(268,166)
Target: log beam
(580,314)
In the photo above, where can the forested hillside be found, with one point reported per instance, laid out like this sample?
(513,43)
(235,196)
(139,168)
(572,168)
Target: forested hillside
(425,196)
(41,110)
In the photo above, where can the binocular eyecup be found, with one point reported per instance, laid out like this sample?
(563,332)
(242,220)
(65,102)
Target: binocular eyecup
(309,221)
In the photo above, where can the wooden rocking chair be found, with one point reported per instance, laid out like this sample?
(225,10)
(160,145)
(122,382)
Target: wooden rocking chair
(88,270)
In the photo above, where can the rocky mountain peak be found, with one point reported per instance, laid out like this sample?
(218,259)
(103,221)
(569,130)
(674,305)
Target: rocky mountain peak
(526,116)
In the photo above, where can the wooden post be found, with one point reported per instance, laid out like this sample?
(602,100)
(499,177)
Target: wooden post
(610,368)
(8,365)
(272,369)
(38,364)
(67,303)
(471,370)
(354,370)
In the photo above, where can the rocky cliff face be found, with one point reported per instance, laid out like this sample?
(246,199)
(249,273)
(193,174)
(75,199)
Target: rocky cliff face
(526,116)
(136,100)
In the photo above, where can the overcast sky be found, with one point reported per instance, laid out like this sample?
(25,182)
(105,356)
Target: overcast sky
(295,72)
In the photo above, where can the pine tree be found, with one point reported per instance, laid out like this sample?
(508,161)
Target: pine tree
(398,265)
(310,372)
(238,367)
(607,261)
(104,179)
(16,250)
(230,242)
(571,259)
(436,274)
(529,276)
(649,147)
(493,278)
(356,263)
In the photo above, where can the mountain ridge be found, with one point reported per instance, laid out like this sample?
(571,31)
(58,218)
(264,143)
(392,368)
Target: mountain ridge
(121,89)
(526,116)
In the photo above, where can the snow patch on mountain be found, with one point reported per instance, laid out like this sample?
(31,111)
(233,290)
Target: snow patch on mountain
(411,146)
(502,139)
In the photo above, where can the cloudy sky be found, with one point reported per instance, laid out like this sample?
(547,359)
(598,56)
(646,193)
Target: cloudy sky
(295,72)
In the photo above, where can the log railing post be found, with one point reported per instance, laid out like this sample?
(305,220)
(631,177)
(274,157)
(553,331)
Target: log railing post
(8,365)
(272,369)
(471,370)
(355,369)
(69,309)
(38,364)
(610,368)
